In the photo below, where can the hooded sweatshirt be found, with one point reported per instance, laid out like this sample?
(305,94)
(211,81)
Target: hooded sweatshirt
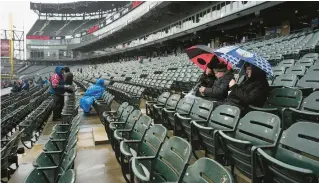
(253,91)
(57,81)
(25,85)
(219,90)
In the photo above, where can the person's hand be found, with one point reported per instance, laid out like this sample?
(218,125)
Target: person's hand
(232,83)
(202,89)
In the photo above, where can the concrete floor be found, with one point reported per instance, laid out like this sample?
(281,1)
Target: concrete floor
(93,162)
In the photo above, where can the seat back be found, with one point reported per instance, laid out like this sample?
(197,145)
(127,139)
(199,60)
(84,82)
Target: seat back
(207,170)
(134,116)
(286,80)
(121,108)
(284,97)
(310,80)
(259,128)
(287,63)
(68,161)
(311,103)
(185,105)
(298,147)
(307,62)
(314,56)
(36,176)
(279,70)
(153,140)
(201,109)
(314,68)
(68,177)
(172,101)
(224,117)
(126,113)
(298,70)
(254,129)
(163,98)
(172,160)
(139,129)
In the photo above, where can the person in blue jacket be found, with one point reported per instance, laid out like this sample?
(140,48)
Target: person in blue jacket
(93,92)
(25,85)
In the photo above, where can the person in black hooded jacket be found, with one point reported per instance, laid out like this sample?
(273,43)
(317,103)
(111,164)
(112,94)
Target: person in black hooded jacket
(252,91)
(219,90)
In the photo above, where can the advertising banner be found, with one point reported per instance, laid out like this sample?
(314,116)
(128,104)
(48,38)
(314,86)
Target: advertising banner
(38,37)
(5,48)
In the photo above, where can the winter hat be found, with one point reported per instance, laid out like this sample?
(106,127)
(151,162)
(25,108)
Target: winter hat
(213,63)
(220,67)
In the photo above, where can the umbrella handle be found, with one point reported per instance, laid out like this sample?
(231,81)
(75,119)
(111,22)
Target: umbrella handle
(241,69)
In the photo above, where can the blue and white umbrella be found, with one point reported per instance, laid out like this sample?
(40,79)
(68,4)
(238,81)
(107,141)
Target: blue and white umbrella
(237,57)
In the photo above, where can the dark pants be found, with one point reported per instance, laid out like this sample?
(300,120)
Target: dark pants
(58,103)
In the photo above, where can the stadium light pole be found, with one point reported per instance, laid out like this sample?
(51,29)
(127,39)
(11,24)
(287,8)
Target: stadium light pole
(11,46)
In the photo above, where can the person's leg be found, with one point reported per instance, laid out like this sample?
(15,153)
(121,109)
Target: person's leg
(60,105)
(55,107)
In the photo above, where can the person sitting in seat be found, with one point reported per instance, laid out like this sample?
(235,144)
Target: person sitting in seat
(208,77)
(16,87)
(252,91)
(220,88)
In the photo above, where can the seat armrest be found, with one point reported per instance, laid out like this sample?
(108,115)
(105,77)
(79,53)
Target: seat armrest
(180,116)
(158,106)
(263,109)
(282,164)
(197,124)
(221,133)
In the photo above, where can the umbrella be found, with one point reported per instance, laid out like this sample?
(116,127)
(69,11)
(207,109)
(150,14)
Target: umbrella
(237,56)
(201,55)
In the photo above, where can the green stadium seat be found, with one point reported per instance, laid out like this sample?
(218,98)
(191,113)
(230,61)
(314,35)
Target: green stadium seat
(286,80)
(48,172)
(168,166)
(225,118)
(310,80)
(309,111)
(125,125)
(255,129)
(158,107)
(136,133)
(207,170)
(281,98)
(295,158)
(161,100)
(169,110)
(68,177)
(183,108)
(298,70)
(149,146)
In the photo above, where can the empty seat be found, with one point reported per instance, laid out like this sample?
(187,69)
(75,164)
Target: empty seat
(310,80)
(295,159)
(287,63)
(183,107)
(286,80)
(254,129)
(314,68)
(148,146)
(161,100)
(307,62)
(314,56)
(279,70)
(207,170)
(281,98)
(224,117)
(309,111)
(200,111)
(168,166)
(298,70)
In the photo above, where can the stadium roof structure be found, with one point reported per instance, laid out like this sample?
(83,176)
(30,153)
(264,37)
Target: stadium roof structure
(77,7)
